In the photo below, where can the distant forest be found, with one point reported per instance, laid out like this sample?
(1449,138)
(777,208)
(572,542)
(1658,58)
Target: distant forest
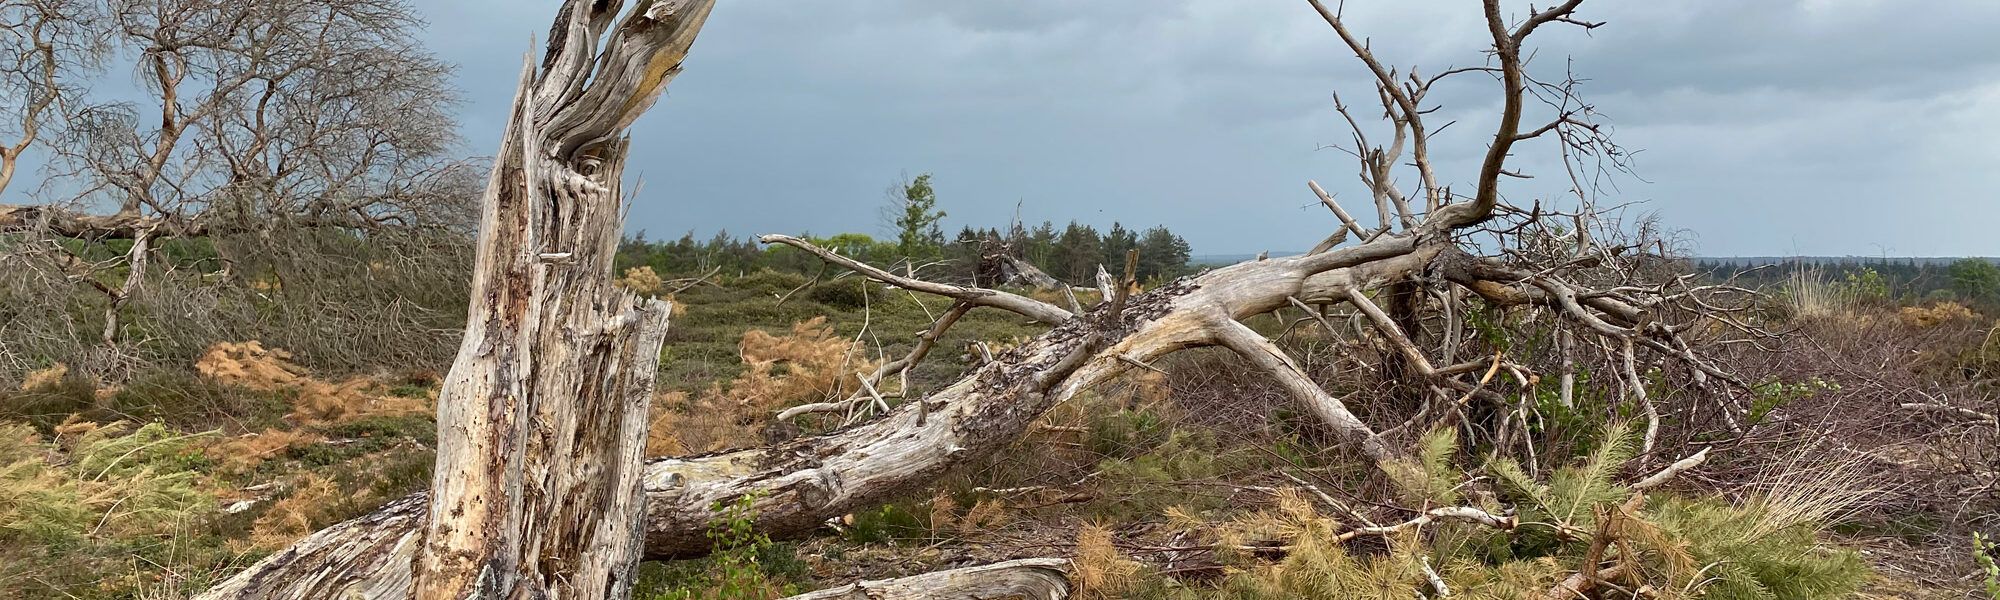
(1070,253)
(1973,281)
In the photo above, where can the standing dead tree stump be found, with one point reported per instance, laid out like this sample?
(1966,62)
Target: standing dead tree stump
(542,421)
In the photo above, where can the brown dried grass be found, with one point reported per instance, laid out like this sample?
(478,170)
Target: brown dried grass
(805,364)
(1099,570)
(48,377)
(241,455)
(1941,313)
(291,518)
(251,365)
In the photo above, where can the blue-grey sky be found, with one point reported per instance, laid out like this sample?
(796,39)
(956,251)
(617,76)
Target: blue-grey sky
(1819,127)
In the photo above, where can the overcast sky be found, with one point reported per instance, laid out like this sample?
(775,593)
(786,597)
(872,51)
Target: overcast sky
(1819,127)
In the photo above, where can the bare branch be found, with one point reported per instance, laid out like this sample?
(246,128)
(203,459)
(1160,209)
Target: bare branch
(1022,305)
(1274,362)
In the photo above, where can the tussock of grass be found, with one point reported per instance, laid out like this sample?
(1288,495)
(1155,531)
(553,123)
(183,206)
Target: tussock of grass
(805,364)
(250,365)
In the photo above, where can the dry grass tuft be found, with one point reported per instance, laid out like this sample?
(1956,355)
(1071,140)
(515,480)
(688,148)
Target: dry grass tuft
(805,364)
(1805,491)
(1100,571)
(291,518)
(239,455)
(663,434)
(252,366)
(1813,293)
(76,429)
(986,515)
(1939,314)
(944,513)
(48,377)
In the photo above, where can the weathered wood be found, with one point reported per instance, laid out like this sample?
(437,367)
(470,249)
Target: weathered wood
(369,557)
(803,482)
(1028,579)
(544,413)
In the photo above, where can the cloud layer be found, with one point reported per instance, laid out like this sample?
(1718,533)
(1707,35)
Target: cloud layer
(1814,127)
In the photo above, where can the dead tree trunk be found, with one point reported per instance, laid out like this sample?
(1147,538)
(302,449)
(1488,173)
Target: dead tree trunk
(542,420)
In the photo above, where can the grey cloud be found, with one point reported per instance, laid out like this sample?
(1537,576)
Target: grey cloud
(1763,124)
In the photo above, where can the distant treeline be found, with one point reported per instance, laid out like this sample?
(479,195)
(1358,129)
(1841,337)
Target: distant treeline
(1908,281)
(1071,253)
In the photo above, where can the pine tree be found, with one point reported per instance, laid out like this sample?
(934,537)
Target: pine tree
(1116,243)
(1077,252)
(1162,254)
(1041,247)
(916,218)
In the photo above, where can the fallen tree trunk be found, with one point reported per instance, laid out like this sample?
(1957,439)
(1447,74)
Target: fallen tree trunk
(801,483)
(1028,579)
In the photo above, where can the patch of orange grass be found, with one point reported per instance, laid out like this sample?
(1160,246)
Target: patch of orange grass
(986,515)
(805,364)
(291,518)
(45,377)
(250,365)
(662,435)
(944,513)
(1941,313)
(1100,571)
(240,455)
(74,429)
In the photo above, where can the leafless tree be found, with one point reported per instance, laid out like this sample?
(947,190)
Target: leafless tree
(324,112)
(48,48)
(1433,255)
(264,124)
